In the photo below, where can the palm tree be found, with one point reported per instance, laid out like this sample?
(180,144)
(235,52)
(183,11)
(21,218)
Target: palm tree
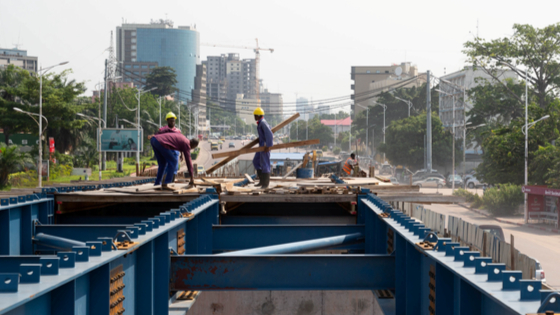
(11,159)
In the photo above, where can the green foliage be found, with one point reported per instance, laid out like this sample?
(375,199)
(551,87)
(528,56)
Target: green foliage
(59,170)
(504,149)
(340,115)
(396,110)
(405,142)
(11,160)
(316,130)
(130,161)
(325,148)
(534,48)
(163,79)
(336,150)
(504,200)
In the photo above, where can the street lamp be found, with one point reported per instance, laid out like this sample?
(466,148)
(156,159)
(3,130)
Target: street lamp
(384,110)
(41,73)
(367,126)
(41,131)
(409,103)
(99,121)
(453,133)
(140,92)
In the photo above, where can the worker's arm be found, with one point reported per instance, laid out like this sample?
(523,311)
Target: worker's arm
(268,136)
(187,155)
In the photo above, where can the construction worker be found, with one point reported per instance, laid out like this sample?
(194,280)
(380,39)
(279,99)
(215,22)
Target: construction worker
(170,117)
(261,161)
(349,164)
(164,144)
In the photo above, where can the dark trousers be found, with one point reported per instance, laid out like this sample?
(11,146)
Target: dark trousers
(164,157)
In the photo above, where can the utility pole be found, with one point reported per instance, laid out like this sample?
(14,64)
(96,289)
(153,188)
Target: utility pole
(453,150)
(159,102)
(428,125)
(104,165)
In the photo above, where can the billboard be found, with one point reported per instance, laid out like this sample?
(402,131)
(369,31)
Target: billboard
(120,140)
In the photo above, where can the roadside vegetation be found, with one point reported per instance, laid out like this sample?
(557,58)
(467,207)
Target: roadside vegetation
(502,200)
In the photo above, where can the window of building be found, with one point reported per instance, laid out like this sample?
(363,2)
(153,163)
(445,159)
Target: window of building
(127,66)
(133,33)
(133,47)
(144,66)
(136,66)
(133,59)
(378,71)
(367,71)
(133,53)
(133,40)
(151,67)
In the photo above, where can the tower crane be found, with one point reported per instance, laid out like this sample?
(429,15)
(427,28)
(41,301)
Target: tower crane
(257,50)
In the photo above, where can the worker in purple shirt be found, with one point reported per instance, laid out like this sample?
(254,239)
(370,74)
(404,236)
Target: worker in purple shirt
(261,161)
(163,145)
(170,117)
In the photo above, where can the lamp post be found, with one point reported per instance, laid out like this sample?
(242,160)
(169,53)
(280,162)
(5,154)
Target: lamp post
(41,131)
(41,73)
(99,121)
(453,136)
(465,145)
(367,125)
(409,103)
(384,110)
(139,94)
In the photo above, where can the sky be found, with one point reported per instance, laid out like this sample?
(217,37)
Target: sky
(315,42)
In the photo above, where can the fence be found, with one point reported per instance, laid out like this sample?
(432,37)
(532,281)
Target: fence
(471,235)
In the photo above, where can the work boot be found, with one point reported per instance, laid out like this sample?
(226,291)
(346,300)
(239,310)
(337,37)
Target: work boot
(259,173)
(265,180)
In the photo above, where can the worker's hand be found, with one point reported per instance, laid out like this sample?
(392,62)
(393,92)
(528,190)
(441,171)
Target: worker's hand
(192,181)
(150,137)
(181,158)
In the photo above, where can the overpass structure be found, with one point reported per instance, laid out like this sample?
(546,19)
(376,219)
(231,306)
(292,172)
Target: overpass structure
(64,254)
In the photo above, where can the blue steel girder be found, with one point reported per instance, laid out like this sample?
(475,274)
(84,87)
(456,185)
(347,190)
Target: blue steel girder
(458,288)
(283,272)
(239,237)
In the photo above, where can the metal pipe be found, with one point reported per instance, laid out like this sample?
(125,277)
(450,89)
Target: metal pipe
(298,247)
(56,242)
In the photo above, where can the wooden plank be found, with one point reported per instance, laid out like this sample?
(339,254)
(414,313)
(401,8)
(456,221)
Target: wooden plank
(292,170)
(261,149)
(278,198)
(121,198)
(249,178)
(252,143)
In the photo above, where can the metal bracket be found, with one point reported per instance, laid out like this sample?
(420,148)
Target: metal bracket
(122,240)
(172,252)
(429,242)
(550,303)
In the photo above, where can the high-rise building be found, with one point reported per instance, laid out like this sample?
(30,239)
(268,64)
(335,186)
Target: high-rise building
(272,103)
(370,81)
(228,76)
(18,58)
(142,47)
(198,102)
(302,105)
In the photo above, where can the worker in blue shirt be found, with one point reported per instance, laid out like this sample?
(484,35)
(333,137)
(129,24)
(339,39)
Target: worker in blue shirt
(261,161)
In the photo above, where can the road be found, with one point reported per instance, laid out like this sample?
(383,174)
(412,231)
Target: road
(541,245)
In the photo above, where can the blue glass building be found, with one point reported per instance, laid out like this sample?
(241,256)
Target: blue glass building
(143,46)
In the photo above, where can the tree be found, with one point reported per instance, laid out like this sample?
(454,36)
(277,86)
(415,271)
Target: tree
(12,92)
(163,79)
(529,47)
(10,160)
(396,110)
(405,142)
(504,149)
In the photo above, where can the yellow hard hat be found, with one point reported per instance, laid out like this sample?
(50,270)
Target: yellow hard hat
(170,115)
(258,112)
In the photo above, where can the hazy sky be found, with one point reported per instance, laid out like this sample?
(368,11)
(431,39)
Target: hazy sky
(315,42)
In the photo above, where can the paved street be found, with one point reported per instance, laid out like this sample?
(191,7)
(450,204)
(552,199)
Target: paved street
(541,245)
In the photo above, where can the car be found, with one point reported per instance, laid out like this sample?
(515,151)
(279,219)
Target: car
(386,169)
(214,146)
(494,230)
(472,182)
(200,170)
(222,138)
(221,141)
(319,153)
(539,272)
(394,180)
(458,181)
(231,145)
(434,182)
(423,174)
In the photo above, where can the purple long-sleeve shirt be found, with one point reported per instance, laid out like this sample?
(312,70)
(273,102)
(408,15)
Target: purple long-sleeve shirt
(176,141)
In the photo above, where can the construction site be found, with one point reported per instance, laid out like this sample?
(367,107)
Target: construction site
(307,244)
